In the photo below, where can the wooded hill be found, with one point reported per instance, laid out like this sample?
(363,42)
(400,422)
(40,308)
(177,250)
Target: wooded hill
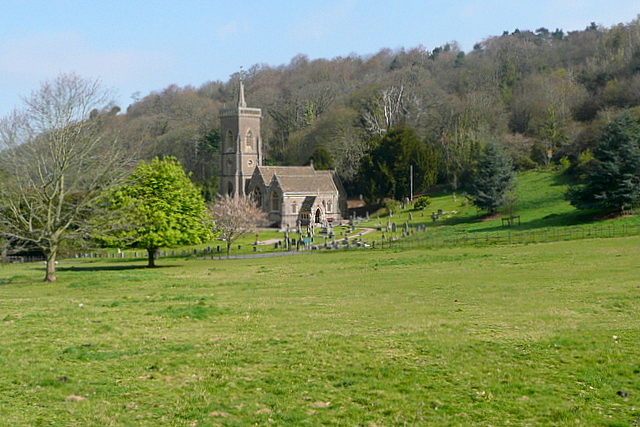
(544,95)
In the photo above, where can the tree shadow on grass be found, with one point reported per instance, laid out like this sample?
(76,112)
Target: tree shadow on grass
(568,219)
(114,268)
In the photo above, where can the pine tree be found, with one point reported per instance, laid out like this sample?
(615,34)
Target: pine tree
(492,180)
(612,182)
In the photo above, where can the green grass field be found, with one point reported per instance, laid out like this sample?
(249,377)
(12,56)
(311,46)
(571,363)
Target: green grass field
(544,334)
(541,207)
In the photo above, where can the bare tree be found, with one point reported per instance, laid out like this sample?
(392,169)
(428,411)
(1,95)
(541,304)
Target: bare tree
(56,157)
(385,110)
(236,216)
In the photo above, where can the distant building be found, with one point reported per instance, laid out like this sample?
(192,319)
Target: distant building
(293,196)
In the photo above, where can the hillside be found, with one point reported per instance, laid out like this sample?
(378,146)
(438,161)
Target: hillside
(533,91)
(542,214)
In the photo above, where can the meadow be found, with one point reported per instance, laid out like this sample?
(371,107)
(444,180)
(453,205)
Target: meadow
(538,334)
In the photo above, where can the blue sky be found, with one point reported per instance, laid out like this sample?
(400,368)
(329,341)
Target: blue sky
(146,45)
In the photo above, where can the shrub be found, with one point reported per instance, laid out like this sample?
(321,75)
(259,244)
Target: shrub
(422,202)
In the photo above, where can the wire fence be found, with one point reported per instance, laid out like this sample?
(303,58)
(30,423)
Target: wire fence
(416,239)
(511,237)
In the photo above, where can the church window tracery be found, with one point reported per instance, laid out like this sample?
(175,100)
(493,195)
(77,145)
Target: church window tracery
(275,201)
(249,139)
(229,141)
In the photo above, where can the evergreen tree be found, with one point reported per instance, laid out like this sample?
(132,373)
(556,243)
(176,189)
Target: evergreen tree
(612,181)
(321,158)
(492,180)
(386,170)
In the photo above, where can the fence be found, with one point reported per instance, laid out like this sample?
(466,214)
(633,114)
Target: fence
(541,235)
(15,258)
(417,238)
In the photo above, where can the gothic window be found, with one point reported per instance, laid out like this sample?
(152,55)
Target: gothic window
(230,189)
(294,207)
(249,139)
(256,195)
(229,141)
(275,201)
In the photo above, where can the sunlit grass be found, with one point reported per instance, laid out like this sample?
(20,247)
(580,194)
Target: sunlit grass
(525,335)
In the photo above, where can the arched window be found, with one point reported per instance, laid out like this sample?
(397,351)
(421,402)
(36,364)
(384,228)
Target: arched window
(229,140)
(275,201)
(294,207)
(256,196)
(248,141)
(230,189)
(329,206)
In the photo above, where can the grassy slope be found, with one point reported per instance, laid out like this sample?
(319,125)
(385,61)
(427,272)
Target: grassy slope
(541,206)
(537,334)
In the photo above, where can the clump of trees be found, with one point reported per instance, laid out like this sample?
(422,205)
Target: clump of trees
(397,161)
(540,93)
(611,179)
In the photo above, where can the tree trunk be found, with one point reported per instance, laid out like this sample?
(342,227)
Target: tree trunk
(454,181)
(50,275)
(152,257)
(228,248)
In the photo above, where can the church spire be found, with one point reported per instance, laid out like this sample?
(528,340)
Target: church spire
(241,101)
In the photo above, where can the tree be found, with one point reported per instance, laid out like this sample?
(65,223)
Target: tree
(386,171)
(321,158)
(56,161)
(159,207)
(492,180)
(236,216)
(612,181)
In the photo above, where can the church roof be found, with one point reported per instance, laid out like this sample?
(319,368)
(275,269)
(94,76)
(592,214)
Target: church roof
(298,179)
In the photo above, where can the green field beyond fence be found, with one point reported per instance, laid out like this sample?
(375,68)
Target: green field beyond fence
(513,236)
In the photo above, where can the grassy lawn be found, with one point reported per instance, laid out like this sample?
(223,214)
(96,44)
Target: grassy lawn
(541,208)
(542,334)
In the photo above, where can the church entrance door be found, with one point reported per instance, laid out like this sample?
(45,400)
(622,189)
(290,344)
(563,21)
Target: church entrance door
(318,216)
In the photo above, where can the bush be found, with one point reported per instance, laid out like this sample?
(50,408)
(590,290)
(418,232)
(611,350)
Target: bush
(422,202)
(393,206)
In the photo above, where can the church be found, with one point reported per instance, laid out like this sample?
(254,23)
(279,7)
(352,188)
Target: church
(292,196)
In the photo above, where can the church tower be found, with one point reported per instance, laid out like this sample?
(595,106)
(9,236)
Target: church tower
(240,146)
